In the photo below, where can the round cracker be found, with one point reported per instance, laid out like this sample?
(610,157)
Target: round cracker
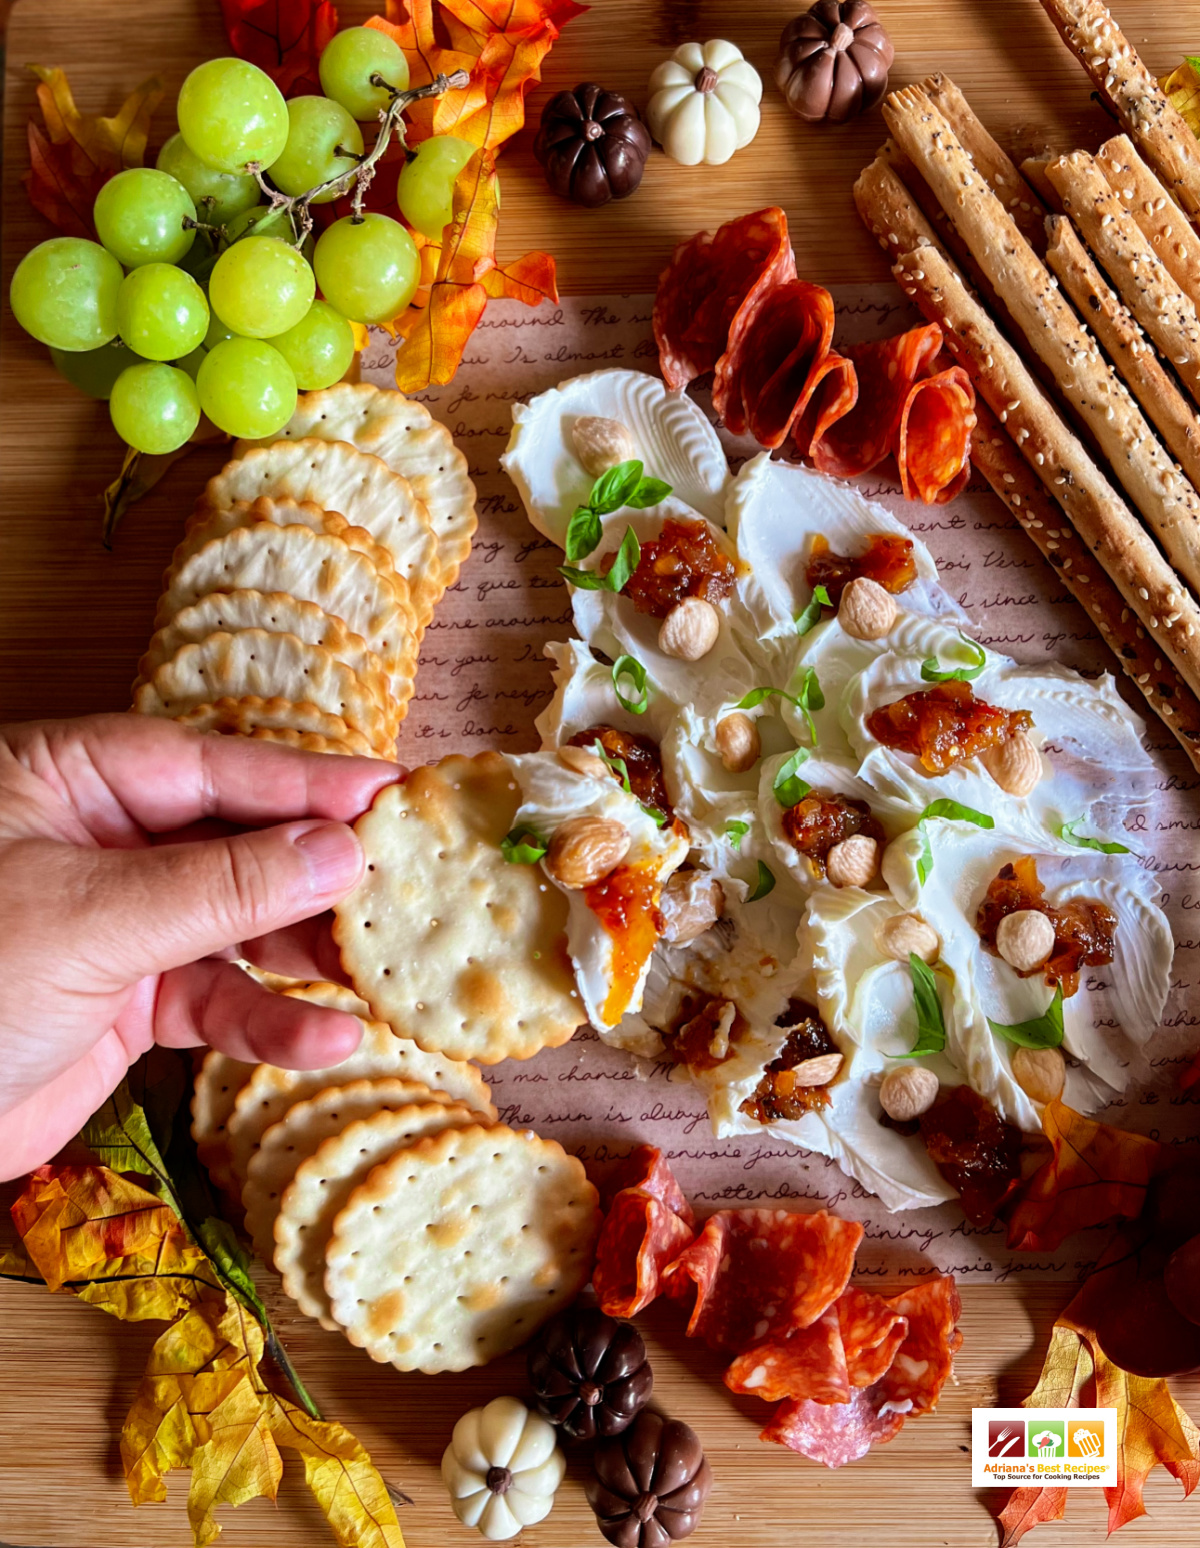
(446,941)
(257,717)
(256,662)
(270,1091)
(210,522)
(360,487)
(306,741)
(217,1083)
(299,1132)
(406,436)
(413,1268)
(322,1186)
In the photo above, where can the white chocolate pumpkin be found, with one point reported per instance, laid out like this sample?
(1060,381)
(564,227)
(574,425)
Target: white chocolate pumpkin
(502,1468)
(704,103)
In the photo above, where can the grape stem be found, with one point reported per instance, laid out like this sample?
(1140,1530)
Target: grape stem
(298,206)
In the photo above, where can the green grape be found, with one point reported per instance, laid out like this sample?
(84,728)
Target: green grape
(367,269)
(218,196)
(93,370)
(231,114)
(319,128)
(247,388)
(64,293)
(260,287)
(319,348)
(154,408)
(425,192)
(350,59)
(199,260)
(161,312)
(217,334)
(141,217)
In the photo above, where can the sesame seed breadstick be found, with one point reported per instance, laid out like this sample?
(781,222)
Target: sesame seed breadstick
(1124,252)
(1140,658)
(889,211)
(1033,169)
(1165,498)
(992,164)
(1121,545)
(1169,231)
(1126,344)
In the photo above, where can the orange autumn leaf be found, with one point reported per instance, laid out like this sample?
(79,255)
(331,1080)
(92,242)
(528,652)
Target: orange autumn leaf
(1030,1507)
(436,335)
(1095,1173)
(76,153)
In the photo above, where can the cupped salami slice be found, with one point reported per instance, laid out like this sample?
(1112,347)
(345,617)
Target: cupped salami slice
(706,294)
(810,1364)
(833,1433)
(648,1225)
(924,1359)
(832,393)
(933,448)
(873,1329)
(887,369)
(763,382)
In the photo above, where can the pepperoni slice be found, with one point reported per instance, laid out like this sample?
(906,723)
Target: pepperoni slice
(761,1274)
(872,1330)
(933,450)
(810,1364)
(924,1359)
(648,1225)
(707,294)
(887,369)
(763,382)
(833,1433)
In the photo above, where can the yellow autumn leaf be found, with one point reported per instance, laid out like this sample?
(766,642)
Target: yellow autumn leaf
(1182,87)
(237,1459)
(110,143)
(341,1475)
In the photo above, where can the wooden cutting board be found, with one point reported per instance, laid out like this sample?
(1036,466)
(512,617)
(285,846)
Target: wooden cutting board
(74,617)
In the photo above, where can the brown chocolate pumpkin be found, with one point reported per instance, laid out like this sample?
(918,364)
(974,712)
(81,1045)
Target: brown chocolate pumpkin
(833,62)
(592,145)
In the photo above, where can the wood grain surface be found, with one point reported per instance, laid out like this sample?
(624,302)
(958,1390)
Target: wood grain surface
(74,617)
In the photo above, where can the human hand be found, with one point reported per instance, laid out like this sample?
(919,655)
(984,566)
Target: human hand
(112,939)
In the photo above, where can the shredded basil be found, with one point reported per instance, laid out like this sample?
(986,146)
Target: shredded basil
(955,811)
(809,698)
(789,788)
(523,846)
(810,617)
(1044,1031)
(735,832)
(931,672)
(931,1025)
(630,667)
(765,883)
(1066,831)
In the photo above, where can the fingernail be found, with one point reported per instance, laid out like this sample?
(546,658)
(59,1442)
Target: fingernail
(333,856)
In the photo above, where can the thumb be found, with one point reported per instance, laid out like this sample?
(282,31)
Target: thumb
(159,908)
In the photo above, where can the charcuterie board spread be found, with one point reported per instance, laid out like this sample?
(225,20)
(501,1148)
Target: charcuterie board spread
(769,977)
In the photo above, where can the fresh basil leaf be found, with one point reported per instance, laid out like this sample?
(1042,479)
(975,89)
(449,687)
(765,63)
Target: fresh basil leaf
(931,1025)
(954,811)
(789,788)
(758,696)
(622,568)
(618,765)
(658,818)
(584,531)
(810,617)
(650,491)
(808,699)
(523,846)
(764,884)
(931,672)
(735,832)
(1044,1031)
(632,668)
(1066,831)
(612,489)
(586,580)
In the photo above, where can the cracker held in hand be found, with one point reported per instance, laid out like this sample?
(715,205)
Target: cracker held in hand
(218,1081)
(323,1184)
(280,720)
(358,486)
(406,436)
(459,1248)
(448,942)
(271,1091)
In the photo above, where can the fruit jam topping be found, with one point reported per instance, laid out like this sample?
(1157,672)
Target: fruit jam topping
(1084,930)
(818,822)
(704,1031)
(626,904)
(944,725)
(683,561)
(888,561)
(974,1150)
(777,1096)
(642,762)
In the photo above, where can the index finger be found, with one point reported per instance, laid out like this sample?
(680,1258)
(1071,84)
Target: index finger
(162,776)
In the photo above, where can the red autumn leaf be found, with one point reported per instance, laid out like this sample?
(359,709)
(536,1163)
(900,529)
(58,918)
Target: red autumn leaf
(283,37)
(1096,1173)
(76,153)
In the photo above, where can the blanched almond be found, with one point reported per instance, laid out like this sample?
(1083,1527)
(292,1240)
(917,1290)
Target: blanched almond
(1025,939)
(867,611)
(907,1092)
(738,742)
(853,862)
(601,443)
(691,903)
(690,630)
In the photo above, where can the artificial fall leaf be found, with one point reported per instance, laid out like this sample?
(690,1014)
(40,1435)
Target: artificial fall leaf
(1095,1173)
(283,37)
(344,1480)
(436,335)
(1027,1508)
(75,155)
(1182,87)
(109,1242)
(237,1458)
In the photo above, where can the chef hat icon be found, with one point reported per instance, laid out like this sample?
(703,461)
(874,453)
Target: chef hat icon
(1047,1441)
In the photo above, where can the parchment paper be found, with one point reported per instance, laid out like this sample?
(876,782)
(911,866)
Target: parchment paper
(483,679)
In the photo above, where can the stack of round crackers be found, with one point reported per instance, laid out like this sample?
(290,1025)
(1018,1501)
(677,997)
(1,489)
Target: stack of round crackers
(294,607)
(391,1202)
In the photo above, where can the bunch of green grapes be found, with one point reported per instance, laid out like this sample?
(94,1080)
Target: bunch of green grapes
(198,296)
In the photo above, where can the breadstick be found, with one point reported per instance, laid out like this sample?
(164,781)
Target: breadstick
(1033,169)
(1127,347)
(1123,548)
(889,211)
(997,169)
(1060,545)
(1165,498)
(1169,231)
(1123,250)
(1088,30)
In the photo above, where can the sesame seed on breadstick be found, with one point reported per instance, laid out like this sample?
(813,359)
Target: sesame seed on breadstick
(1169,231)
(1166,500)
(1089,31)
